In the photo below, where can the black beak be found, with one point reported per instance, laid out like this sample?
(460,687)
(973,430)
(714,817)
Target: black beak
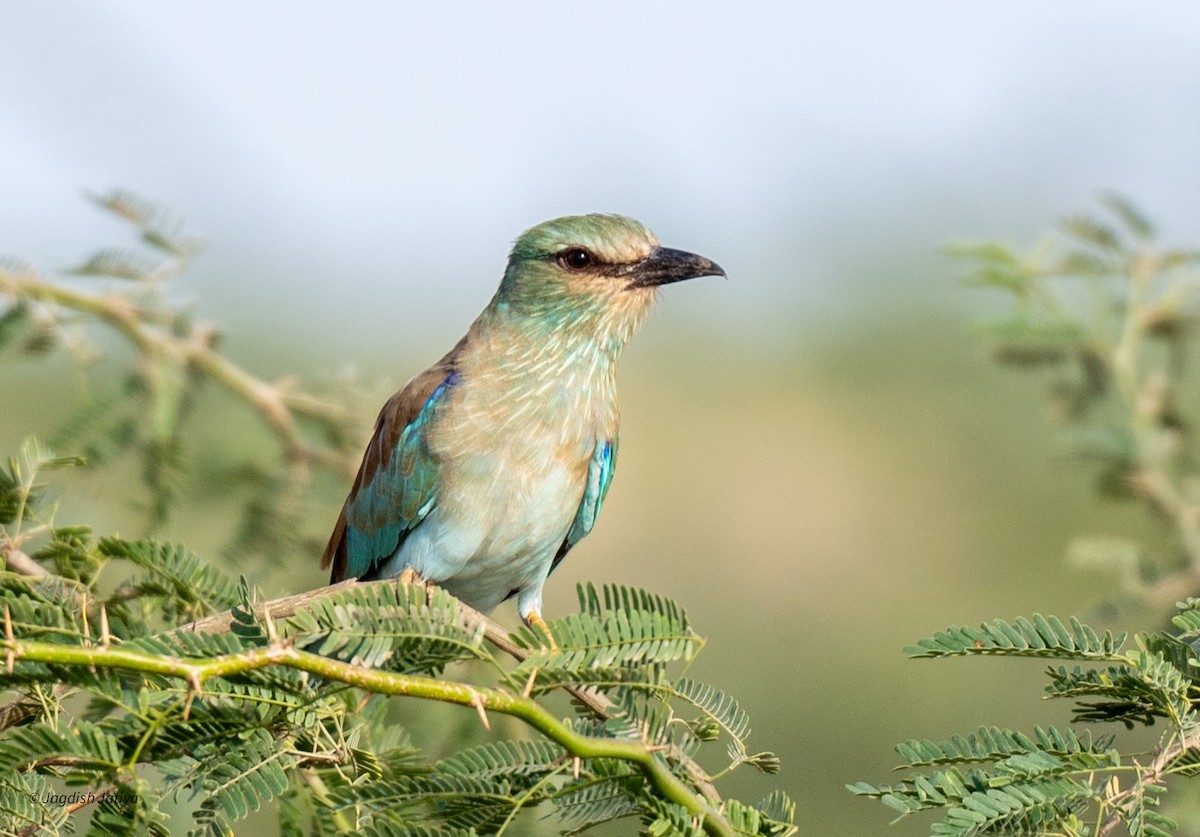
(665,265)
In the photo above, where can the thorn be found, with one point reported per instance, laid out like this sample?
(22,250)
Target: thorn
(528,690)
(105,635)
(477,700)
(1112,787)
(10,656)
(269,622)
(194,689)
(87,638)
(575,764)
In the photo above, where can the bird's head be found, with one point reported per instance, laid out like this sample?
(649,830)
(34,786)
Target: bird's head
(600,271)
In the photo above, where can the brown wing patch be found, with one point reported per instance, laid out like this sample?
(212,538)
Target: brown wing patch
(396,414)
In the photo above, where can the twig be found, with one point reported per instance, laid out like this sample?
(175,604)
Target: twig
(494,633)
(22,564)
(278,407)
(220,623)
(18,711)
(196,671)
(1151,775)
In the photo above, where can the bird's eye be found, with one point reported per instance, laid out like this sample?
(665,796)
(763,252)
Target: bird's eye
(575,259)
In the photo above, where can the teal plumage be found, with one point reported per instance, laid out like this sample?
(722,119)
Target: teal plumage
(485,470)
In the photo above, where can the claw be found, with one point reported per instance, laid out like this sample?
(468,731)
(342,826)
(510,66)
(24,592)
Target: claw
(535,620)
(411,578)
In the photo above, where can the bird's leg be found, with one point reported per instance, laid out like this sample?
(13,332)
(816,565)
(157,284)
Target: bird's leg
(535,621)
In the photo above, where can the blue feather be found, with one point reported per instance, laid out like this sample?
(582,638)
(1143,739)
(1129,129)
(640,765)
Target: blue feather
(399,496)
(599,477)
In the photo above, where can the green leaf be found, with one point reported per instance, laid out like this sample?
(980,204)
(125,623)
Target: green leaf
(1023,341)
(777,806)
(92,750)
(248,774)
(1093,232)
(993,744)
(131,809)
(996,266)
(716,705)
(117,264)
(589,805)
(1133,220)
(187,586)
(620,626)
(505,759)
(24,804)
(1043,637)
(42,607)
(1151,687)
(389,624)
(157,227)
(15,320)
(71,551)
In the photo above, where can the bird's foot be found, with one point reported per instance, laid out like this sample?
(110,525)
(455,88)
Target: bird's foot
(535,621)
(411,578)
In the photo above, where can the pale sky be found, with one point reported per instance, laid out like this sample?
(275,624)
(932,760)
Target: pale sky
(358,162)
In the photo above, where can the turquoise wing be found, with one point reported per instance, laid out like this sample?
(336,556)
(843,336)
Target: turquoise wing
(396,486)
(599,476)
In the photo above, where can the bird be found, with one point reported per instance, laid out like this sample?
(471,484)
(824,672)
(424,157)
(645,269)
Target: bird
(487,468)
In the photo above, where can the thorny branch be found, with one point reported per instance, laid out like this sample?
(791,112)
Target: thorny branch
(278,403)
(162,339)
(1151,774)
(1124,326)
(648,759)
(496,634)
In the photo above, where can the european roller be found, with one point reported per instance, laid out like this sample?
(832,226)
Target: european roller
(488,467)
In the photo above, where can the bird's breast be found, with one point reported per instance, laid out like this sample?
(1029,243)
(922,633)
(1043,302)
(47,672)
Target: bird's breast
(535,405)
(515,448)
(513,439)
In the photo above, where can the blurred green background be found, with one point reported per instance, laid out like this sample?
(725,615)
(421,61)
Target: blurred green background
(818,458)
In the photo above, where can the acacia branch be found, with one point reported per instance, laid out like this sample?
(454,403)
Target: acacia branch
(482,699)
(279,407)
(1146,395)
(20,563)
(1152,774)
(596,702)
(220,623)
